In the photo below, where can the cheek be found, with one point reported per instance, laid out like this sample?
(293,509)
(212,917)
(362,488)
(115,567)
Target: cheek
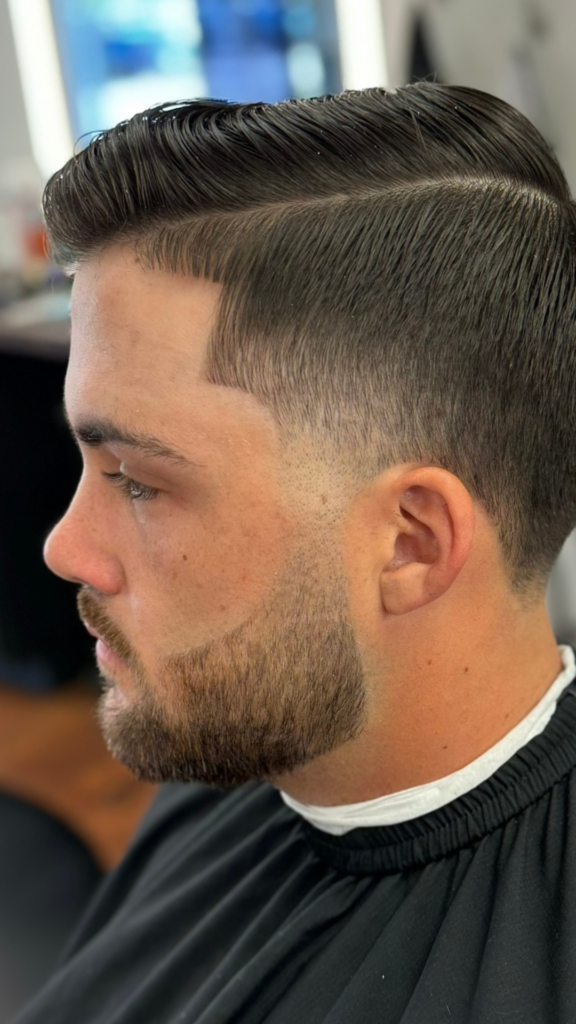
(238,558)
(203,573)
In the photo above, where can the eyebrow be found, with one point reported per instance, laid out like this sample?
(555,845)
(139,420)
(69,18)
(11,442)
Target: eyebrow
(95,433)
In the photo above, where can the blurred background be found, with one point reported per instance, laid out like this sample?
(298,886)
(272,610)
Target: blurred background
(68,69)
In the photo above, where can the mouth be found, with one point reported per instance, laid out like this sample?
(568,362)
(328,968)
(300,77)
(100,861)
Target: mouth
(104,654)
(91,631)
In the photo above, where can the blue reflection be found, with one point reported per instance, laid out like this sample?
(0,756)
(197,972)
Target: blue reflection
(121,56)
(243,49)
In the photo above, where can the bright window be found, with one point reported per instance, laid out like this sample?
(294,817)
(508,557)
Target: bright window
(121,56)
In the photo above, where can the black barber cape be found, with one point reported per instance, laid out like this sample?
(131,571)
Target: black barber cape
(230,909)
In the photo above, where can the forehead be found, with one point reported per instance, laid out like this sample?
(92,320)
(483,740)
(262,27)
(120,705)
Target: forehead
(138,343)
(138,321)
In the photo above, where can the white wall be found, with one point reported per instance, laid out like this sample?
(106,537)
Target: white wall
(521,50)
(15,144)
(20,180)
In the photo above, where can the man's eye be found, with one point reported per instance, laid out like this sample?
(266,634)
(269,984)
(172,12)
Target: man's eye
(131,488)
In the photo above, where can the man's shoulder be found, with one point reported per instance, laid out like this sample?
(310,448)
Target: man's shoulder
(194,807)
(178,835)
(177,803)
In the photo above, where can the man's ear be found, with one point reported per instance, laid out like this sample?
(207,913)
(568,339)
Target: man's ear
(431,538)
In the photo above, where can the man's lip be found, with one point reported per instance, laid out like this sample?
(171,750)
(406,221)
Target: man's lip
(92,632)
(102,648)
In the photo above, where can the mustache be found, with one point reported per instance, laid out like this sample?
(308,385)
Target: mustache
(92,613)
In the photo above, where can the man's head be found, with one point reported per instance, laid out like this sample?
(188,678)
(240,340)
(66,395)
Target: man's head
(309,303)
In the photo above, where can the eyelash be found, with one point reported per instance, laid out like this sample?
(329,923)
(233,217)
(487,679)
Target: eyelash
(128,487)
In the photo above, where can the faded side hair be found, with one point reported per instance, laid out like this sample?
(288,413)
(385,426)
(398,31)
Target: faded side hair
(399,279)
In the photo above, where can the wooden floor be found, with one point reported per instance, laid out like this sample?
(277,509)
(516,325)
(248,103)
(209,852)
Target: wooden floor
(52,753)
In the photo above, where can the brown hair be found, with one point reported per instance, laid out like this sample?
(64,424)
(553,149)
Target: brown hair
(399,274)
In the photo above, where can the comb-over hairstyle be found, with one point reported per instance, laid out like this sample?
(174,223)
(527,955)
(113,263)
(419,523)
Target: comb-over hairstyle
(399,280)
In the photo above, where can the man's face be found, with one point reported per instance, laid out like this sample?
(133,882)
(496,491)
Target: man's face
(206,569)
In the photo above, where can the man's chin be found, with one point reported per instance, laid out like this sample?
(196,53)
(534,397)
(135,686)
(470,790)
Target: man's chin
(113,699)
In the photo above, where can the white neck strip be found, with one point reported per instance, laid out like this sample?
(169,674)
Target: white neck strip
(412,803)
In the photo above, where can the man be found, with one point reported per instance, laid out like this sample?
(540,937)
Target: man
(321,375)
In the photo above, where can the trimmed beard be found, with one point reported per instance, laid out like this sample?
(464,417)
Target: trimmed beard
(284,687)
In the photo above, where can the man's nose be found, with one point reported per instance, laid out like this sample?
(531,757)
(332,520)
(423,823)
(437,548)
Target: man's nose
(76,549)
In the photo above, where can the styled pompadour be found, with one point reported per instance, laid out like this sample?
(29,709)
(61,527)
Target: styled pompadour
(399,273)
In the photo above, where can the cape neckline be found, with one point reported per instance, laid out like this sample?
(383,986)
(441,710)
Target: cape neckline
(529,774)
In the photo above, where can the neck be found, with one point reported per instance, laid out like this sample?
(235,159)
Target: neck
(440,704)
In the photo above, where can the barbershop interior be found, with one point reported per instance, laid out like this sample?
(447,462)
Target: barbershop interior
(70,69)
